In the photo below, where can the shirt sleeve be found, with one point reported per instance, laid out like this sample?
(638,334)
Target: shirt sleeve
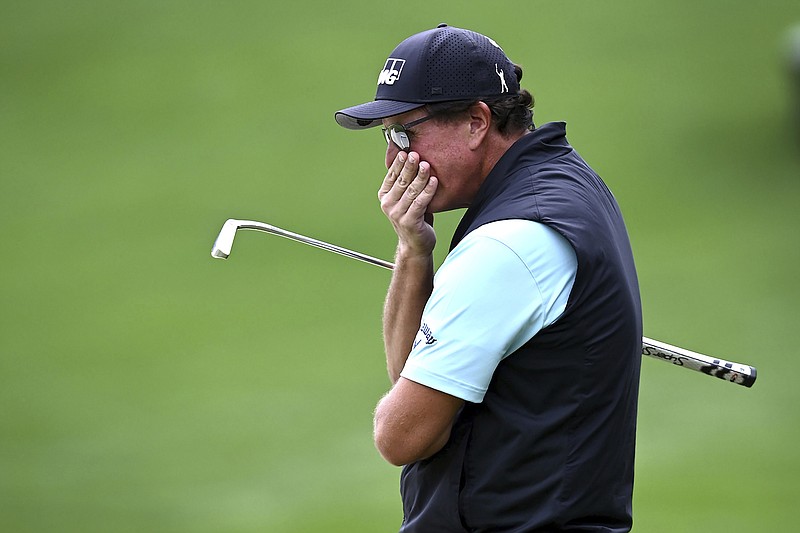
(502,284)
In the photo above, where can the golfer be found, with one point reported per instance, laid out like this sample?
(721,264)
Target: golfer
(515,367)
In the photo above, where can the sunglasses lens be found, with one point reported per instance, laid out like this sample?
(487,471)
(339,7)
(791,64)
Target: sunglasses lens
(400,138)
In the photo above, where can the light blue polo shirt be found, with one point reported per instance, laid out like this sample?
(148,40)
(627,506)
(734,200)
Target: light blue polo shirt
(496,289)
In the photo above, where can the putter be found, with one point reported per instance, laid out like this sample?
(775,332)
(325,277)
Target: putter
(734,372)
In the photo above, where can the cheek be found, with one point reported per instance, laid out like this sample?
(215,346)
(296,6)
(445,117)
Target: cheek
(446,168)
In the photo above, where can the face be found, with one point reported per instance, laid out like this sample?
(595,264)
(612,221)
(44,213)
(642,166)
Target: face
(443,145)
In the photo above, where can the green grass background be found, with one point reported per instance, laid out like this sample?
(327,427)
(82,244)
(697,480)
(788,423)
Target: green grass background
(147,387)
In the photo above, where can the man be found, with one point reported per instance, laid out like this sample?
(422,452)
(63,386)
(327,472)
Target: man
(515,369)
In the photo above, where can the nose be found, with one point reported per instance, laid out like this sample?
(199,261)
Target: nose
(391,152)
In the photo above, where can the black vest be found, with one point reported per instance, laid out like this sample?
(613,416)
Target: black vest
(551,447)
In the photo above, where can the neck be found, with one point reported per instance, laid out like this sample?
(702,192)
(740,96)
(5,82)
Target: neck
(497,146)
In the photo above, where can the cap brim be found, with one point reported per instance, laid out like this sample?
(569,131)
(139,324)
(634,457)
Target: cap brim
(369,115)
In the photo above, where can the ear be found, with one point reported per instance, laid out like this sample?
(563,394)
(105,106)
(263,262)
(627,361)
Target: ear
(480,122)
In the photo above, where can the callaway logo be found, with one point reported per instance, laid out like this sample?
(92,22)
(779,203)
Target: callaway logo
(391,71)
(425,332)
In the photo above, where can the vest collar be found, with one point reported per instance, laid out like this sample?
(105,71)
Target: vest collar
(537,147)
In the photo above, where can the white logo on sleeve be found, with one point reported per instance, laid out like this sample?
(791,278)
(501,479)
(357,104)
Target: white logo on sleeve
(502,76)
(391,71)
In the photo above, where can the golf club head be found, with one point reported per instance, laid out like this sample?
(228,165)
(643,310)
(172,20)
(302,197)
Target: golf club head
(224,243)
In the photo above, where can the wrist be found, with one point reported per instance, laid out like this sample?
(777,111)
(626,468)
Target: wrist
(412,255)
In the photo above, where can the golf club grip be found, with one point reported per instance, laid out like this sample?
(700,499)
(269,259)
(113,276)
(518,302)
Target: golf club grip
(719,368)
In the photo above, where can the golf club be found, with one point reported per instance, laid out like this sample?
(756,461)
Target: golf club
(224,243)
(734,372)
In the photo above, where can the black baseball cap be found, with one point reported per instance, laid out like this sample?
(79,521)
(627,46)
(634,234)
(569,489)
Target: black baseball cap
(438,65)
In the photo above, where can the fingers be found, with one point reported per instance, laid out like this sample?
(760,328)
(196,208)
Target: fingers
(405,194)
(405,181)
(392,174)
(420,192)
(399,176)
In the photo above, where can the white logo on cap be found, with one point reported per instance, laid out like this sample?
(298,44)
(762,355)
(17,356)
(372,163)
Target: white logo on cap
(493,42)
(391,71)
(502,76)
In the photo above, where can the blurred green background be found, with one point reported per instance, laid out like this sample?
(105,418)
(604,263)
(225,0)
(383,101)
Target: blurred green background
(147,387)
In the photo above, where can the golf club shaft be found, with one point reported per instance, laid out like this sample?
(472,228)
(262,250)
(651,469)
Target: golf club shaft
(734,372)
(274,230)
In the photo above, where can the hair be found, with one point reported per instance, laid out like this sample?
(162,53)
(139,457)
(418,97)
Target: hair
(510,114)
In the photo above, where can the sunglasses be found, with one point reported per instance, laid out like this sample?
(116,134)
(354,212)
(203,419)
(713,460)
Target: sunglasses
(398,133)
